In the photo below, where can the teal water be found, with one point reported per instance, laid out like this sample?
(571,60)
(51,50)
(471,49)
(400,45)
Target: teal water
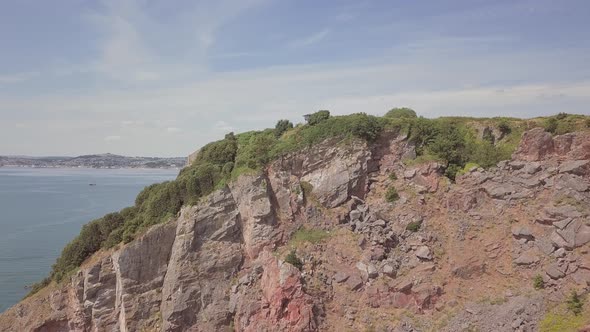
(43,209)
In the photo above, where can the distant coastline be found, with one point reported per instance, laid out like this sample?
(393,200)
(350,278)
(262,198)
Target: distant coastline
(94,161)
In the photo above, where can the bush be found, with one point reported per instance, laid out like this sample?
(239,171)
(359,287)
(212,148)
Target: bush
(504,127)
(318,117)
(391,195)
(574,304)
(587,122)
(282,126)
(561,116)
(401,112)
(414,226)
(538,282)
(551,125)
(392,176)
(292,259)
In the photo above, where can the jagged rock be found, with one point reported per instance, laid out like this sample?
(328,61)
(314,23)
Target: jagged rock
(554,271)
(545,246)
(410,173)
(522,232)
(574,234)
(532,168)
(423,252)
(535,145)
(340,277)
(577,167)
(355,215)
(570,181)
(559,253)
(389,271)
(527,258)
(354,282)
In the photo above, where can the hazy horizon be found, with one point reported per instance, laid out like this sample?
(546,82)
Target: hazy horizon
(153,78)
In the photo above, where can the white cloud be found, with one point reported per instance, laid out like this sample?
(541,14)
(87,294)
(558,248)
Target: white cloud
(223,127)
(112,138)
(309,40)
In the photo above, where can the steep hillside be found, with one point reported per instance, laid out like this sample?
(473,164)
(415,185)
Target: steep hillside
(392,228)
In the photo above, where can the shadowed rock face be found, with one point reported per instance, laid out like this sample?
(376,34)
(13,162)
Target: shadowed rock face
(217,266)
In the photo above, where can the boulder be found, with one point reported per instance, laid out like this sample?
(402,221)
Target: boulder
(340,277)
(577,167)
(423,252)
(535,145)
(554,271)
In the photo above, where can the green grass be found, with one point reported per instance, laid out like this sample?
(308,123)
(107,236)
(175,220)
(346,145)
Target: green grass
(562,321)
(310,235)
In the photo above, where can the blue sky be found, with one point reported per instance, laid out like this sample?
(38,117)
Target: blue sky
(143,77)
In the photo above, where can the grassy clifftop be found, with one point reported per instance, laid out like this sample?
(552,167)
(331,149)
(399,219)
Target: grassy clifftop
(454,141)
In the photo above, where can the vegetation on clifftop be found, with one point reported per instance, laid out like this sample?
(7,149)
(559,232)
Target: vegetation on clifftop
(453,141)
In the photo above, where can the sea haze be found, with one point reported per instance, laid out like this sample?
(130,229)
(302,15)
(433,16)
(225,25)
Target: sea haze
(43,209)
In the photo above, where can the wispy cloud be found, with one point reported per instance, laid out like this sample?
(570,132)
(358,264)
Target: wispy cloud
(18,77)
(309,40)
(112,138)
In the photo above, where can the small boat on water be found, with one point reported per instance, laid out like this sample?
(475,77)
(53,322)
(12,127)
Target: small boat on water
(92,184)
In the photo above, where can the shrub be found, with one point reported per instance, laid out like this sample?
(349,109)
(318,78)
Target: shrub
(401,112)
(391,195)
(504,127)
(414,226)
(318,117)
(292,259)
(551,125)
(561,116)
(538,282)
(574,304)
(282,126)
(392,176)
(452,170)
(587,122)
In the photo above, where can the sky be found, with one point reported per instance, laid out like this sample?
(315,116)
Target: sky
(162,78)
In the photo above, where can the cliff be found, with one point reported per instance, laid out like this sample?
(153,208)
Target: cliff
(442,257)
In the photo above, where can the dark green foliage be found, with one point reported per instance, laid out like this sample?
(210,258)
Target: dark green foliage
(392,176)
(574,304)
(292,259)
(219,152)
(318,117)
(401,112)
(414,226)
(551,125)
(422,132)
(391,195)
(282,126)
(561,116)
(451,171)
(538,282)
(504,127)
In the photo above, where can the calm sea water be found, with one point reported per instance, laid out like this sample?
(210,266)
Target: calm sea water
(43,209)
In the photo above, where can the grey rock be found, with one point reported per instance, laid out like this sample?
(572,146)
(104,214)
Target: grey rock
(532,167)
(545,246)
(423,252)
(559,253)
(340,277)
(389,271)
(355,215)
(354,282)
(554,271)
(577,167)
(526,258)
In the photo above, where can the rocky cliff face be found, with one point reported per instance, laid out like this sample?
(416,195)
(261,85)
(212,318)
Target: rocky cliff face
(444,257)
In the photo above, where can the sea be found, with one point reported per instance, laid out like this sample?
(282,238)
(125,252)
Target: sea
(42,209)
